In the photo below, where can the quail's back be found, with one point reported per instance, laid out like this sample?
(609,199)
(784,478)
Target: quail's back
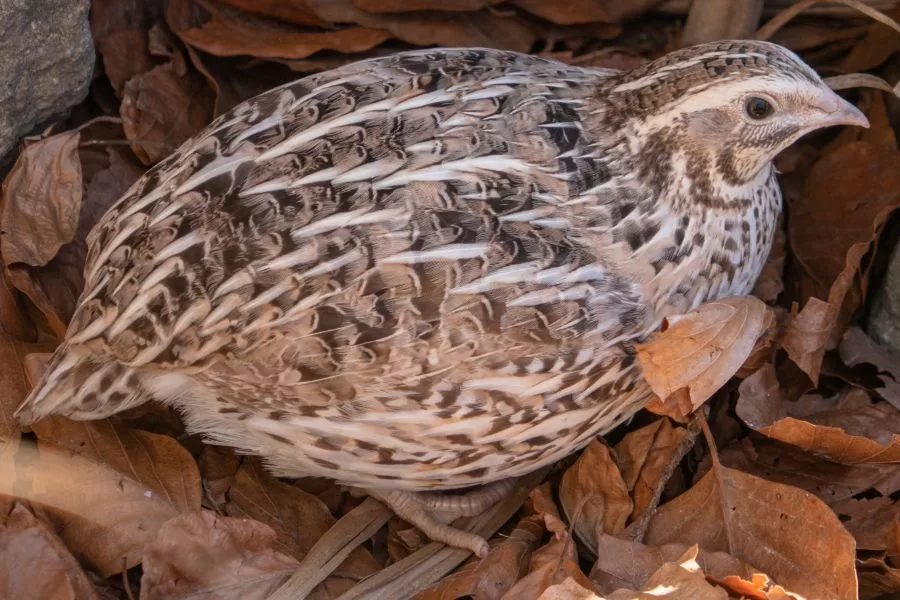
(428,270)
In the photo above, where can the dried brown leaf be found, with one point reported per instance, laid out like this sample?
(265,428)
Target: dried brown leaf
(879,43)
(626,564)
(13,381)
(857,348)
(680,580)
(872,521)
(157,462)
(295,11)
(568,590)
(764,350)
(227,35)
(677,407)
(783,531)
(41,200)
(402,6)
(848,196)
(550,564)
(105,170)
(13,319)
(761,399)
(594,496)
(199,555)
(807,335)
(299,519)
(120,34)
(703,349)
(34,563)
(848,429)
(568,13)
(104,517)
(877,579)
(482,28)
(642,457)
(218,466)
(161,109)
(832,482)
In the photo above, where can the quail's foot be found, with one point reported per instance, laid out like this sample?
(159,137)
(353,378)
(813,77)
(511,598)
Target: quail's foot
(427,510)
(466,504)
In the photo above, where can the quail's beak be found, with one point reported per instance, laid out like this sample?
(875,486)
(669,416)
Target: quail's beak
(838,111)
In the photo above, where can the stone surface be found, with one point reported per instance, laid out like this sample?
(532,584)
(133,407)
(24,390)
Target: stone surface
(884,318)
(46,62)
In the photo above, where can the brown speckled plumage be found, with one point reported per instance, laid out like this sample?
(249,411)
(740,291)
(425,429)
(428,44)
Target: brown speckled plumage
(428,271)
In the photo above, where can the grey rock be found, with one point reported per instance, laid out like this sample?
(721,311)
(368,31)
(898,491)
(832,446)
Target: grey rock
(46,62)
(884,317)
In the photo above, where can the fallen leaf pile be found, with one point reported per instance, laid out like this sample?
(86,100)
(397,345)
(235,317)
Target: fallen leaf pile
(795,492)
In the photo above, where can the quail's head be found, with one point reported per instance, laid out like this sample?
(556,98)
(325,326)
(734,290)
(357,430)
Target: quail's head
(730,106)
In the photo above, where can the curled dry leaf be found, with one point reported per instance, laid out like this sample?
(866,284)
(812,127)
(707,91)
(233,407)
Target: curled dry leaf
(703,349)
(857,348)
(553,562)
(298,519)
(41,200)
(807,335)
(120,32)
(482,28)
(104,517)
(394,6)
(682,579)
(872,521)
(233,35)
(162,108)
(34,563)
(157,462)
(594,496)
(491,578)
(848,196)
(642,457)
(218,467)
(13,381)
(626,564)
(200,555)
(781,530)
(568,590)
(550,564)
(568,13)
(12,318)
(832,482)
(104,172)
(878,578)
(848,428)
(296,11)
(879,43)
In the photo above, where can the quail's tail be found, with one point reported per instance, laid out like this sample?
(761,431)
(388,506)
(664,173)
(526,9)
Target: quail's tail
(83,387)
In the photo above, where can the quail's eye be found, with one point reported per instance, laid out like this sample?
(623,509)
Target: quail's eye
(758,108)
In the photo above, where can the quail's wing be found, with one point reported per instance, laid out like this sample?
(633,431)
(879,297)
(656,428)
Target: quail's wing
(387,200)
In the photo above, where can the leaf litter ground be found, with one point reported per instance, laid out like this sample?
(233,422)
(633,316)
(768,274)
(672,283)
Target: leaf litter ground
(795,491)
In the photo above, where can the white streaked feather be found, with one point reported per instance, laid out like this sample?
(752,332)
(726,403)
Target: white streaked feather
(441,253)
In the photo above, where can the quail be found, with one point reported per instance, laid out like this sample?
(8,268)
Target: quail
(429,271)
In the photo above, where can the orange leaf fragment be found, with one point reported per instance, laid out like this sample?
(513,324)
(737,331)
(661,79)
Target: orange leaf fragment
(703,349)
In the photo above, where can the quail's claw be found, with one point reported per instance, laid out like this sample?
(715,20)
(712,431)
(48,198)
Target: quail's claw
(406,506)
